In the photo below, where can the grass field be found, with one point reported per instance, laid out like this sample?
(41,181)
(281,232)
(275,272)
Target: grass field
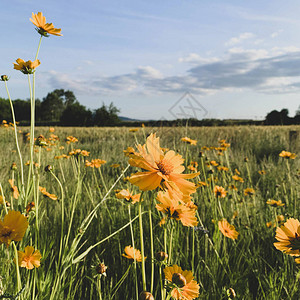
(88,225)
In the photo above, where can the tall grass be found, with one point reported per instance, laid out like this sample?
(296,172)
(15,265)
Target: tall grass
(250,265)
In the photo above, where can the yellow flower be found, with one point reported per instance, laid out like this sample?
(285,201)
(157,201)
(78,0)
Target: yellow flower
(227,229)
(71,139)
(133,130)
(115,166)
(222,168)
(13,227)
(288,237)
(237,178)
(95,163)
(162,169)
(275,203)
(288,155)
(220,191)
(202,183)
(29,207)
(47,194)
(125,194)
(27,67)
(44,28)
(262,172)
(249,192)
(184,285)
(189,141)
(14,189)
(30,258)
(129,151)
(172,206)
(132,253)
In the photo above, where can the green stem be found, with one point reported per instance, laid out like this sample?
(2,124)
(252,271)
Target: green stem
(38,49)
(152,247)
(162,290)
(16,136)
(62,213)
(134,263)
(142,247)
(17,267)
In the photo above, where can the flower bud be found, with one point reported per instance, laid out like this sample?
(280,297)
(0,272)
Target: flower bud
(146,296)
(13,166)
(231,293)
(161,256)
(4,78)
(101,269)
(48,168)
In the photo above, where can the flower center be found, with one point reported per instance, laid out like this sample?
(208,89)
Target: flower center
(179,280)
(164,167)
(6,232)
(295,243)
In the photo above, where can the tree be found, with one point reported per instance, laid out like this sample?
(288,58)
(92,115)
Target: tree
(5,112)
(106,116)
(76,115)
(54,104)
(278,118)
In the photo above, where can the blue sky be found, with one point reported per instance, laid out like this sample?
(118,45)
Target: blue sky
(238,59)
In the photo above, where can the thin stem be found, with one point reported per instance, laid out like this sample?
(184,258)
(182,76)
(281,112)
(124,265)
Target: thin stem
(16,136)
(142,247)
(62,213)
(17,267)
(152,247)
(134,263)
(38,49)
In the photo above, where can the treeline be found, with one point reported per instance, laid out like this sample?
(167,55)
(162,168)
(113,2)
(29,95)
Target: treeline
(60,108)
(282,118)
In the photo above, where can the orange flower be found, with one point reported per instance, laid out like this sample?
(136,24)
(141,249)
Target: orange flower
(129,151)
(220,191)
(125,194)
(30,206)
(249,192)
(237,178)
(14,189)
(288,237)
(288,155)
(71,139)
(172,206)
(275,203)
(115,166)
(162,170)
(227,229)
(13,227)
(30,258)
(47,194)
(95,163)
(189,141)
(27,67)
(133,130)
(132,253)
(183,284)
(44,28)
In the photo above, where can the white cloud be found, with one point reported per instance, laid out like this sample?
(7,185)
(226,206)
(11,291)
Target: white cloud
(276,33)
(271,72)
(194,58)
(240,38)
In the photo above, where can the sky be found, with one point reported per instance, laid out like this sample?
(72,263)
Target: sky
(160,59)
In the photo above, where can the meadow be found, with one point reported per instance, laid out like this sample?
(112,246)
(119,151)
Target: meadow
(78,223)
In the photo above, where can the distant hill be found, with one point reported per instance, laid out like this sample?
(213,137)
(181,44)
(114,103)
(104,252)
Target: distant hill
(125,119)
